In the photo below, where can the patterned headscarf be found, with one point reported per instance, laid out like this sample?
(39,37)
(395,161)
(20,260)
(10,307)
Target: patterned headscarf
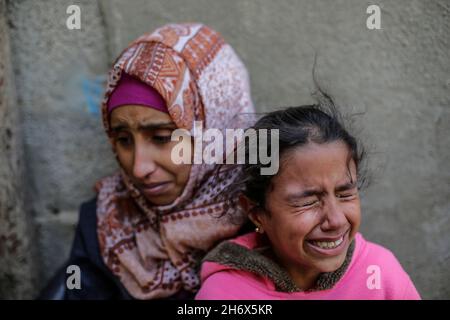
(155,250)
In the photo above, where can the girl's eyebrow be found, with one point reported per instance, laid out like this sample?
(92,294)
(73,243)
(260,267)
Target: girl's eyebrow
(346,186)
(317,192)
(144,127)
(304,194)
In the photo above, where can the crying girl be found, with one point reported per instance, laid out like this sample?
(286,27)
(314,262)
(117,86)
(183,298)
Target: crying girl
(306,244)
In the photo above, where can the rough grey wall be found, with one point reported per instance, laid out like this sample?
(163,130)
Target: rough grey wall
(398,76)
(57,72)
(16,261)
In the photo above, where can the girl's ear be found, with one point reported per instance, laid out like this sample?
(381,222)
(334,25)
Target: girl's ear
(251,209)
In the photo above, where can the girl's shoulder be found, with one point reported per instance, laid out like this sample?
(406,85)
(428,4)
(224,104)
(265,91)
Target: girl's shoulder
(380,271)
(232,270)
(368,249)
(374,273)
(369,252)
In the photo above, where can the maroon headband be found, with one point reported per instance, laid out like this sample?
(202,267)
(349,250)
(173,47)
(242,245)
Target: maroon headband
(130,91)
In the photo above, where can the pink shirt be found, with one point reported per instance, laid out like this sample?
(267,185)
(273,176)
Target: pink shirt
(374,273)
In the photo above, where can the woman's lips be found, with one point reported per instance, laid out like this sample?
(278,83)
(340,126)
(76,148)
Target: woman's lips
(329,246)
(154,189)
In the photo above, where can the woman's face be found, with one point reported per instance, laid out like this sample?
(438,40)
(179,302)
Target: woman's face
(313,208)
(142,140)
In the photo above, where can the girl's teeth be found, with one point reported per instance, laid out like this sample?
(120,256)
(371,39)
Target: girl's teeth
(328,244)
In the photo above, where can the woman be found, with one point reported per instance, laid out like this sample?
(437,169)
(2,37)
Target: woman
(307,216)
(151,223)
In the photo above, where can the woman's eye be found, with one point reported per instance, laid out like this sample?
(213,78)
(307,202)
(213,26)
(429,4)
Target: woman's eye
(161,139)
(123,141)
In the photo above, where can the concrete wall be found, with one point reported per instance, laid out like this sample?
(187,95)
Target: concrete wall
(16,254)
(58,75)
(398,76)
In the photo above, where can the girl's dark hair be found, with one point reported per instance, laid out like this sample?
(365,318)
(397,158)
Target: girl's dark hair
(298,126)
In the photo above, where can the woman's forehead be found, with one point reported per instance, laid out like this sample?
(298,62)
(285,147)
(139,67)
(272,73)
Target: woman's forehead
(134,116)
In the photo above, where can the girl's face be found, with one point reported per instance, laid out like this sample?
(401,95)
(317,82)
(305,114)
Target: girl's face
(313,208)
(142,140)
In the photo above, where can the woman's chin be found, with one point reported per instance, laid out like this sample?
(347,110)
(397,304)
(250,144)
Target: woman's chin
(162,199)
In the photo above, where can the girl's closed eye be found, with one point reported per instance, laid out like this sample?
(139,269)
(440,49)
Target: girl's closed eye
(349,195)
(306,203)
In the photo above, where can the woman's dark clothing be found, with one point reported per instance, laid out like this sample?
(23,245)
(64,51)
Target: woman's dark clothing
(97,281)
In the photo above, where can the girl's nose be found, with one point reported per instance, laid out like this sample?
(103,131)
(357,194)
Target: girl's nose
(334,216)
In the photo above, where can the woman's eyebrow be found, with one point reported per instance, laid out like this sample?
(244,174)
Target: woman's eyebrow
(118,128)
(157,125)
(144,126)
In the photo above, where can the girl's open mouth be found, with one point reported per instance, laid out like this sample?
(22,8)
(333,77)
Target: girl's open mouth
(329,247)
(328,244)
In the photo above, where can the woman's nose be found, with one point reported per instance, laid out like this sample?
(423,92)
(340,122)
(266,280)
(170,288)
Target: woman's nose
(143,164)
(334,216)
